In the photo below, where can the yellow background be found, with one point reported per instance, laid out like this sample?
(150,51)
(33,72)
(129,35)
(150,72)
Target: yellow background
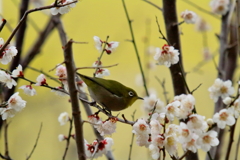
(102,18)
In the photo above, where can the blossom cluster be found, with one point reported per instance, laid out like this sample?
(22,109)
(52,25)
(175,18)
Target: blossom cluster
(107,127)
(98,148)
(100,72)
(111,46)
(193,133)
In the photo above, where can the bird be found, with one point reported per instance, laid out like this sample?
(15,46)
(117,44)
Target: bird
(110,94)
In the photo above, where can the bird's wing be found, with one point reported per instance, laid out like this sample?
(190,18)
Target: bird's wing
(112,86)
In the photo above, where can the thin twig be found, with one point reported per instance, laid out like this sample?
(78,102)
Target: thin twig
(154,108)
(4,21)
(56,66)
(46,74)
(231,136)
(96,67)
(99,59)
(160,31)
(184,78)
(25,16)
(209,155)
(237,147)
(4,157)
(135,47)
(162,83)
(35,145)
(31,21)
(195,88)
(203,62)
(184,155)
(154,5)
(131,144)
(68,139)
(6,139)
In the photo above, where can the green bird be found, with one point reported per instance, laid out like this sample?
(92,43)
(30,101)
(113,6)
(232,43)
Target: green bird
(110,94)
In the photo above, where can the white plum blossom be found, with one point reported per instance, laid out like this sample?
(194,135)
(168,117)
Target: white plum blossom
(111,46)
(227,100)
(98,148)
(151,101)
(82,85)
(171,145)
(94,119)
(14,104)
(102,72)
(220,6)
(206,53)
(141,127)
(201,25)
(61,137)
(172,110)
(154,151)
(106,127)
(28,90)
(191,145)
(173,129)
(210,122)
(224,117)
(159,117)
(61,71)
(41,80)
(142,140)
(64,9)
(8,53)
(63,118)
(150,50)
(6,79)
(208,139)
(7,112)
(98,43)
(156,128)
(142,130)
(187,105)
(221,89)
(18,72)
(189,16)
(97,64)
(185,133)
(235,108)
(167,56)
(197,124)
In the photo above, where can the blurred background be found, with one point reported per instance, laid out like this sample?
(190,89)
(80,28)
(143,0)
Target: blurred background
(105,18)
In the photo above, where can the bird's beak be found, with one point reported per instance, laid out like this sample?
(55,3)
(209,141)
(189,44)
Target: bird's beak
(140,98)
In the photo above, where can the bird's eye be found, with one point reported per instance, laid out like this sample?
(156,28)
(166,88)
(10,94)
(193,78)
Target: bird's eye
(131,93)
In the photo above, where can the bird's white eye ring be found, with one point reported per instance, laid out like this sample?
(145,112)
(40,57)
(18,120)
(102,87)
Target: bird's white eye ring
(131,93)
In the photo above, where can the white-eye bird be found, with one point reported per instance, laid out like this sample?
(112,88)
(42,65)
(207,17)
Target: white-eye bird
(110,94)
